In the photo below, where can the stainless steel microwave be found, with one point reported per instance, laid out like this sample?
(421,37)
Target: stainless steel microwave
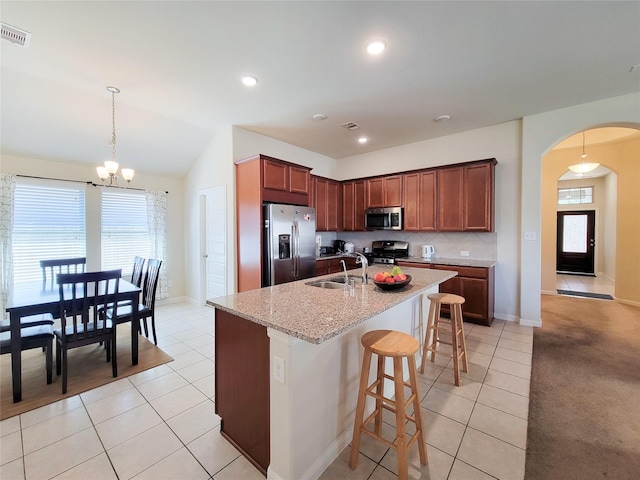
(389,218)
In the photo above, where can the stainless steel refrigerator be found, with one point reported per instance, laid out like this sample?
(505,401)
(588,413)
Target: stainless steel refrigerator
(289,243)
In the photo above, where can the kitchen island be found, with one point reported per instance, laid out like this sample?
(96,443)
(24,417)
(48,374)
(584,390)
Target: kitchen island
(288,359)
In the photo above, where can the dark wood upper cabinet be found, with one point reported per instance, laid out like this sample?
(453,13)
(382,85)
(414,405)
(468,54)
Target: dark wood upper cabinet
(450,199)
(466,197)
(384,191)
(327,204)
(353,201)
(280,176)
(420,201)
(478,197)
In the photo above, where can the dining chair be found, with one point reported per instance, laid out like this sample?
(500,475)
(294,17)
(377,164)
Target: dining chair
(82,297)
(147,308)
(29,321)
(35,336)
(61,265)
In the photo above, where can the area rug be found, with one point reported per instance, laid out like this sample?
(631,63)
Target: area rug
(87,369)
(585,391)
(571,293)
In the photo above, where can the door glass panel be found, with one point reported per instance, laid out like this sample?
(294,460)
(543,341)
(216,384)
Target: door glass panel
(574,238)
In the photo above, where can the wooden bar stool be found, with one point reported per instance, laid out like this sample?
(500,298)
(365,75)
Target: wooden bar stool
(397,345)
(453,327)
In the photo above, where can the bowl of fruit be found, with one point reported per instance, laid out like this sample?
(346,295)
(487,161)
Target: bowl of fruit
(392,280)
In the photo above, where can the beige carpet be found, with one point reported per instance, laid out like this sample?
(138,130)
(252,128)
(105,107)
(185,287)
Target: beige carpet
(584,410)
(87,369)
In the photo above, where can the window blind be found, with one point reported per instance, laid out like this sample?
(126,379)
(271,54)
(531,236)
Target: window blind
(49,222)
(124,229)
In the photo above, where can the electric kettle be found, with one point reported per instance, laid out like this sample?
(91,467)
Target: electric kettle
(428,251)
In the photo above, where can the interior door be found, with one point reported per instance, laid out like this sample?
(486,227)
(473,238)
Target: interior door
(575,244)
(213,243)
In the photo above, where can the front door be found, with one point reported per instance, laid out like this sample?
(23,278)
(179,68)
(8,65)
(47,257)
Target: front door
(575,245)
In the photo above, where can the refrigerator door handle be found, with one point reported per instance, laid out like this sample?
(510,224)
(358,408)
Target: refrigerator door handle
(296,249)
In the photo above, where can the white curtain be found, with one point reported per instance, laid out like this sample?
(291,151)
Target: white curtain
(157,225)
(7,189)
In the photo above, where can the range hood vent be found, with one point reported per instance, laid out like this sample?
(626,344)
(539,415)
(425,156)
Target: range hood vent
(15,35)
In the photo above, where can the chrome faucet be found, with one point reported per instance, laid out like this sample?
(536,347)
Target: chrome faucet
(365,263)
(344,268)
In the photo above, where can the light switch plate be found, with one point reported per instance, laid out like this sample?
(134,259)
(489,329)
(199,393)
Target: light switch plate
(464,253)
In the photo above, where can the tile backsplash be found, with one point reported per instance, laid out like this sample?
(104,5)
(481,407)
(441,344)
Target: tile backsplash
(481,246)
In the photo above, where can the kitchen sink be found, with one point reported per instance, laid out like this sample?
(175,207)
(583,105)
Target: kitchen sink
(340,279)
(326,284)
(334,282)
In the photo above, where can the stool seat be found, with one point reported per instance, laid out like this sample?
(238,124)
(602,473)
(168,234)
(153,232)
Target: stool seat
(396,345)
(390,343)
(446,298)
(454,329)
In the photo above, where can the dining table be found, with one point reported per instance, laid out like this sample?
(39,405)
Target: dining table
(35,298)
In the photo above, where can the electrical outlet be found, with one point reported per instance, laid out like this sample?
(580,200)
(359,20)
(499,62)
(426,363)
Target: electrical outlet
(464,253)
(530,236)
(278,369)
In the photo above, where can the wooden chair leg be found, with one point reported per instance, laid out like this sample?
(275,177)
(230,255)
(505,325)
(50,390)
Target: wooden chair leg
(379,392)
(454,344)
(58,359)
(417,410)
(357,426)
(114,357)
(49,361)
(463,342)
(401,428)
(429,336)
(153,328)
(64,370)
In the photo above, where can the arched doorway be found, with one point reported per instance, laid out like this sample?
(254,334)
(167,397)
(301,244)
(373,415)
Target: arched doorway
(539,134)
(591,198)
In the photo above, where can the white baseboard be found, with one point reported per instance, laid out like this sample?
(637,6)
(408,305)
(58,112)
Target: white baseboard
(505,317)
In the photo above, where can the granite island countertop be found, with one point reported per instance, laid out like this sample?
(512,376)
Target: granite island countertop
(318,314)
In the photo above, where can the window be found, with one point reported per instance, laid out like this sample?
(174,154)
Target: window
(574,196)
(40,233)
(124,229)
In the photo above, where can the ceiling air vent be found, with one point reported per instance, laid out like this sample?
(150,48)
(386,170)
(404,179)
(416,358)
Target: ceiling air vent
(15,35)
(351,126)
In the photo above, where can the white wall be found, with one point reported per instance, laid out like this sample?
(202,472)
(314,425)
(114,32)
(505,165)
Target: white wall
(539,134)
(86,173)
(215,167)
(501,142)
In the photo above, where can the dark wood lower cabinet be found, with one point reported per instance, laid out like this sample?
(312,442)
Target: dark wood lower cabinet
(475,284)
(242,386)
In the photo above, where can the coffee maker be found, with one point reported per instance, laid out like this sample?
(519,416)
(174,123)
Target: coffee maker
(339,245)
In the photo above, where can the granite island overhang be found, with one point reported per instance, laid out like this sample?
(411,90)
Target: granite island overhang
(288,360)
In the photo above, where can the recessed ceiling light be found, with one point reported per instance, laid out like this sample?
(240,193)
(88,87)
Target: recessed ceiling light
(319,116)
(443,118)
(363,140)
(376,47)
(250,81)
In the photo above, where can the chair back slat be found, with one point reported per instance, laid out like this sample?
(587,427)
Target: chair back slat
(151,282)
(53,267)
(138,266)
(83,297)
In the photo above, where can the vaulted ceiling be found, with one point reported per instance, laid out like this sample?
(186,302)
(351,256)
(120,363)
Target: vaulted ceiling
(178,65)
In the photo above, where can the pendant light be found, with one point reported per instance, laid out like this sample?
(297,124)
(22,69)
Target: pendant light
(110,169)
(583,167)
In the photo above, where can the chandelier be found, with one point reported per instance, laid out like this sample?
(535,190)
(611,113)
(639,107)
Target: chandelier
(110,169)
(583,167)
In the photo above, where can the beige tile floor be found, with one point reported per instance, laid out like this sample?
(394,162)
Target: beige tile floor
(579,283)
(160,424)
